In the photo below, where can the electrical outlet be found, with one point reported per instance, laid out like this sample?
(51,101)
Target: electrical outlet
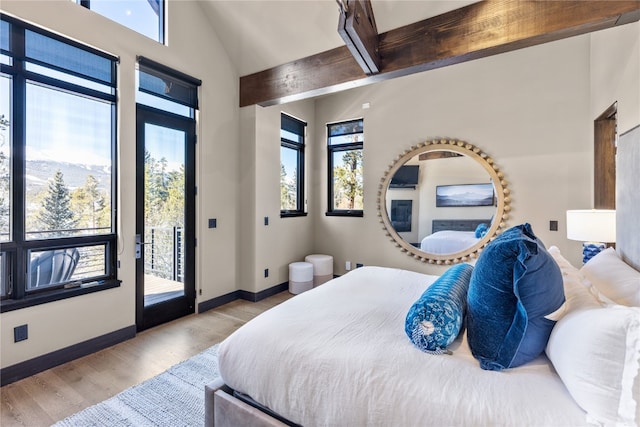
(266,220)
(347,265)
(553,225)
(20,333)
(213,222)
(266,272)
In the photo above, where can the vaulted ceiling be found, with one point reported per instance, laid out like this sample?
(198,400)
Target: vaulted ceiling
(290,50)
(261,34)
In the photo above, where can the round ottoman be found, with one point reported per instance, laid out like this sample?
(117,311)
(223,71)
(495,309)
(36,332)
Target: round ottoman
(300,277)
(322,268)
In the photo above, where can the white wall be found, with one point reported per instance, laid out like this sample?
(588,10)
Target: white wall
(615,73)
(63,323)
(528,109)
(284,240)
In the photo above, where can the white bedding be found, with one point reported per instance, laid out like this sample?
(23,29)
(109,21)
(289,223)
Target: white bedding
(338,356)
(448,241)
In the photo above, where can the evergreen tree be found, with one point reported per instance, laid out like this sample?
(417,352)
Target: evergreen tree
(348,189)
(4,178)
(156,192)
(90,205)
(288,189)
(55,213)
(5,169)
(174,206)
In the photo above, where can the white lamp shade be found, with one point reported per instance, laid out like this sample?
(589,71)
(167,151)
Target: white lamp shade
(592,225)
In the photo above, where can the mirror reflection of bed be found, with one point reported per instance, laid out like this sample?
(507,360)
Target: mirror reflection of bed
(454,235)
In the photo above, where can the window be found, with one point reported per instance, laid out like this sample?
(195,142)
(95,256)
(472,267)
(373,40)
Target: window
(143,16)
(292,201)
(57,170)
(166,89)
(345,144)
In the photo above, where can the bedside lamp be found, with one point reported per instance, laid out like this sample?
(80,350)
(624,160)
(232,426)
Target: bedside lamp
(593,227)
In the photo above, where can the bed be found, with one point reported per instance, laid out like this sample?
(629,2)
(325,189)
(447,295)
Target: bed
(453,235)
(448,241)
(395,384)
(338,355)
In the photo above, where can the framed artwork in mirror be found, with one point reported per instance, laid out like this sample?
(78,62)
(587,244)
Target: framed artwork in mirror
(464,195)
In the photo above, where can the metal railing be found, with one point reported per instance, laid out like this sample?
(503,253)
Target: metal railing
(164,252)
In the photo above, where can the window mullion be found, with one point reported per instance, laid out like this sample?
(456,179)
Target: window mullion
(18,157)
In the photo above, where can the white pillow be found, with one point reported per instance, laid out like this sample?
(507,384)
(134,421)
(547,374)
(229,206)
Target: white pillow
(576,288)
(613,278)
(596,352)
(565,266)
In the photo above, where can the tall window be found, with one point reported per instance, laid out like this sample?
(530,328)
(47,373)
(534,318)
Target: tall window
(143,16)
(345,145)
(57,174)
(291,166)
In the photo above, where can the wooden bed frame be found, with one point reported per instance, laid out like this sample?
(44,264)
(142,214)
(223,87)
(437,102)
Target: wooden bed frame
(223,409)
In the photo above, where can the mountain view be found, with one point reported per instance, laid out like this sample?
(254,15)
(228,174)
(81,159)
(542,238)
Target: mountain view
(40,172)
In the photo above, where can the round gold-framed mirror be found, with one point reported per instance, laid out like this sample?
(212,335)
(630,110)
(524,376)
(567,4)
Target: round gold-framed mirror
(442,201)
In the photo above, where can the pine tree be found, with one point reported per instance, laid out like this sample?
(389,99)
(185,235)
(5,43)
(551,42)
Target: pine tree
(155,175)
(55,213)
(90,205)
(173,214)
(288,188)
(5,169)
(348,181)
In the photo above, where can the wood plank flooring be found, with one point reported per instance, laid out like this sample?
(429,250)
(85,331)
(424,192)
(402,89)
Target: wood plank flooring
(52,395)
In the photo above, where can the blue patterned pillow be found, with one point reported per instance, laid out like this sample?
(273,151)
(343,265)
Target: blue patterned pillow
(435,319)
(514,285)
(481,230)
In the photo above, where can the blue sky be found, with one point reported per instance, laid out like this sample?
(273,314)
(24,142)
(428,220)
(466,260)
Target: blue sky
(135,14)
(164,142)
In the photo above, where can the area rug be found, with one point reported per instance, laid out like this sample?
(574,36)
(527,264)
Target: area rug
(172,398)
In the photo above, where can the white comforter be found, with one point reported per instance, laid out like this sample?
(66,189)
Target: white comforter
(448,241)
(338,356)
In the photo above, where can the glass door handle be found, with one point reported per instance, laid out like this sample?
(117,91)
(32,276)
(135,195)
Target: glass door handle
(139,245)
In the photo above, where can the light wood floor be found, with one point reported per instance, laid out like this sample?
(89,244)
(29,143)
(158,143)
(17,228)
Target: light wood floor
(54,394)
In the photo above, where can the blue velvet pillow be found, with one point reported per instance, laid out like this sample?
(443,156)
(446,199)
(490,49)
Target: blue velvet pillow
(435,319)
(514,285)
(481,230)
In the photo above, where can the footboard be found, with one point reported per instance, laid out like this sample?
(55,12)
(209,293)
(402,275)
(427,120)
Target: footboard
(222,409)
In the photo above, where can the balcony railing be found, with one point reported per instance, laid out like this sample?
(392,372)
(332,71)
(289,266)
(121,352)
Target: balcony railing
(164,252)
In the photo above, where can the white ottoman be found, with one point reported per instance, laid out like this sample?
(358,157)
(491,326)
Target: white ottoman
(322,268)
(300,277)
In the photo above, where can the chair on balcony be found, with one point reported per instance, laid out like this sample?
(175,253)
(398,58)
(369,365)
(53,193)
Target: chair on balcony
(53,267)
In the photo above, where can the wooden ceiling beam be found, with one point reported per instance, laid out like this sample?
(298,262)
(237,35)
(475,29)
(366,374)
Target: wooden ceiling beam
(472,32)
(357,27)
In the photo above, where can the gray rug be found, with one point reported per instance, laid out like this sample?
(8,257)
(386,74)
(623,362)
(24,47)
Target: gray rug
(172,398)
